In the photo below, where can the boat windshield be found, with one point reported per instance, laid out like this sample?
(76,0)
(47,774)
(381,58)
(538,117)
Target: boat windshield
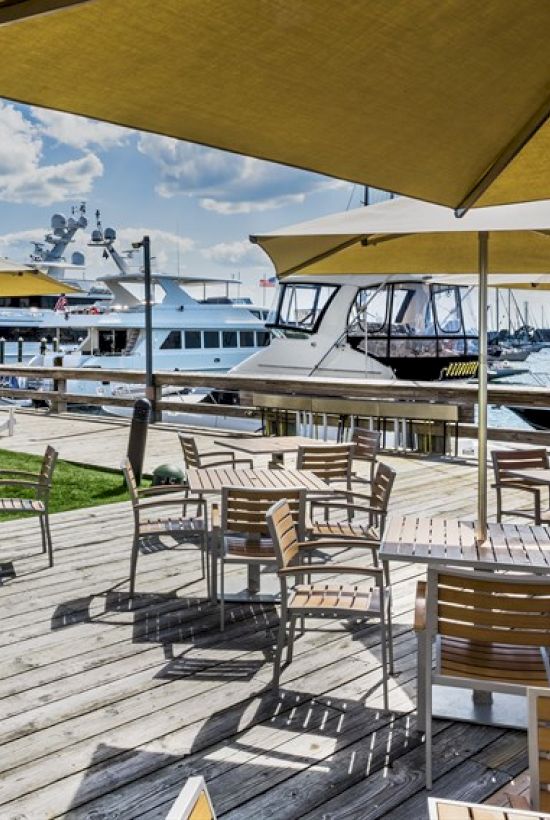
(412,319)
(300,307)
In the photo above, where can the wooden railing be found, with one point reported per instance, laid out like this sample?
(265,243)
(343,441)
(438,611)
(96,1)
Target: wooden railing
(288,390)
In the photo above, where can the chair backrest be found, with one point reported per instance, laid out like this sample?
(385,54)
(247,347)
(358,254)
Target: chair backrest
(440,809)
(504,460)
(382,486)
(46,472)
(244,511)
(488,609)
(283,533)
(366,443)
(131,482)
(190,451)
(331,462)
(538,726)
(193,802)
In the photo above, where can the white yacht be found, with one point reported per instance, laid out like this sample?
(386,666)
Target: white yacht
(415,327)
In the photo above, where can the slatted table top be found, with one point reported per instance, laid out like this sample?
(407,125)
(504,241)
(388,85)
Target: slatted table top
(264,445)
(448,541)
(455,810)
(537,475)
(213,479)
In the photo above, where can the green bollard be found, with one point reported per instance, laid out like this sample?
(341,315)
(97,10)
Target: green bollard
(20,349)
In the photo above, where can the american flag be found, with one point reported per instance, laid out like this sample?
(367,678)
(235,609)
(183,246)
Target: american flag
(268,282)
(61,303)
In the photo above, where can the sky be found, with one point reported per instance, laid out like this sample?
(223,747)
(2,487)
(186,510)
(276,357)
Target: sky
(199,205)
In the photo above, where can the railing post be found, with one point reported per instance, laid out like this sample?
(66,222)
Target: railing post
(153,392)
(43,346)
(20,349)
(59,386)
(2,350)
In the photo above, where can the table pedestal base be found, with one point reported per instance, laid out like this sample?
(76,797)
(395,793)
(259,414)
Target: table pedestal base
(250,585)
(507,711)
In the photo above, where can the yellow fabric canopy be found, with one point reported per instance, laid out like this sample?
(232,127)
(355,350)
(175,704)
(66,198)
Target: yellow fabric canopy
(22,280)
(403,236)
(430,99)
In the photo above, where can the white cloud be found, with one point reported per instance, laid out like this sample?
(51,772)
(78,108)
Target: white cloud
(227,183)
(22,176)
(241,253)
(79,132)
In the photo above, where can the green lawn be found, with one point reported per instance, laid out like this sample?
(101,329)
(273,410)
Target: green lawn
(74,486)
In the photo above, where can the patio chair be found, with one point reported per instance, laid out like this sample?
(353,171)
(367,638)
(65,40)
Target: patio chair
(538,713)
(180,523)
(41,484)
(193,802)
(367,443)
(242,535)
(331,462)
(491,634)
(504,460)
(440,809)
(323,599)
(224,458)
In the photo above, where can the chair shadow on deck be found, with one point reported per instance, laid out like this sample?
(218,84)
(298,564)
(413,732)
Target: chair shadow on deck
(246,748)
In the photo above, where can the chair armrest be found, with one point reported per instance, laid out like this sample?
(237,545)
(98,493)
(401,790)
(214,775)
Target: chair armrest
(171,500)
(314,544)
(336,505)
(420,607)
(162,489)
(324,569)
(18,482)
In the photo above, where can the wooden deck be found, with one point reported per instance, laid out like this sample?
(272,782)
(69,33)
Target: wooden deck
(106,710)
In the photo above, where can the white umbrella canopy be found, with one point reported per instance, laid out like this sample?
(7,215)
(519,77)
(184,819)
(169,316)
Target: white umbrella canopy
(403,236)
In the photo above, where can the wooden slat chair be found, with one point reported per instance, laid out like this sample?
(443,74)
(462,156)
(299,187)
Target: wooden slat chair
(504,460)
(330,462)
(491,634)
(193,802)
(364,523)
(41,484)
(323,599)
(539,747)
(193,458)
(179,523)
(367,444)
(241,534)
(440,809)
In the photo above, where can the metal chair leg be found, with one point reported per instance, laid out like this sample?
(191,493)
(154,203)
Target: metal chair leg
(428,712)
(48,539)
(383,649)
(279,652)
(291,634)
(133,566)
(222,594)
(43,532)
(421,682)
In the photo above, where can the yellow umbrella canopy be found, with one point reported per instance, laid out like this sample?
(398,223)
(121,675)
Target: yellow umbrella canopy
(445,101)
(22,280)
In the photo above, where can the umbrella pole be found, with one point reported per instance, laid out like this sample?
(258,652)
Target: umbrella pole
(481,523)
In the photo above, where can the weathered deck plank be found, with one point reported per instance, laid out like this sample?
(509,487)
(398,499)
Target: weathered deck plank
(106,709)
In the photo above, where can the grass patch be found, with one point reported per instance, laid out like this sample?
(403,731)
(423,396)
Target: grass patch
(74,486)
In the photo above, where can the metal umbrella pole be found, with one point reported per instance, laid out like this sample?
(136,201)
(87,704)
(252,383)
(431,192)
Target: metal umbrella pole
(481,523)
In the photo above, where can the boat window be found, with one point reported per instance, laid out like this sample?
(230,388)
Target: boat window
(447,308)
(301,306)
(469,304)
(374,300)
(192,339)
(411,313)
(172,341)
(211,338)
(247,338)
(262,338)
(412,348)
(229,338)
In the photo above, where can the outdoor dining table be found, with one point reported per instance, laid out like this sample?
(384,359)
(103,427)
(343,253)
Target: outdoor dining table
(214,479)
(447,542)
(275,446)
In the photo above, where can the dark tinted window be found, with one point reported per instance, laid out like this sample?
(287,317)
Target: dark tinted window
(192,338)
(172,341)
(211,338)
(247,338)
(262,338)
(229,338)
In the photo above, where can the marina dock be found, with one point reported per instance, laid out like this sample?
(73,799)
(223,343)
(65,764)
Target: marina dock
(107,710)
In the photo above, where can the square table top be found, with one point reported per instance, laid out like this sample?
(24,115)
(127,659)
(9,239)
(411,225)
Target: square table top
(441,809)
(213,479)
(536,475)
(446,541)
(264,445)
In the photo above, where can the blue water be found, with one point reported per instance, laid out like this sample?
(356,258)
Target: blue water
(538,365)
